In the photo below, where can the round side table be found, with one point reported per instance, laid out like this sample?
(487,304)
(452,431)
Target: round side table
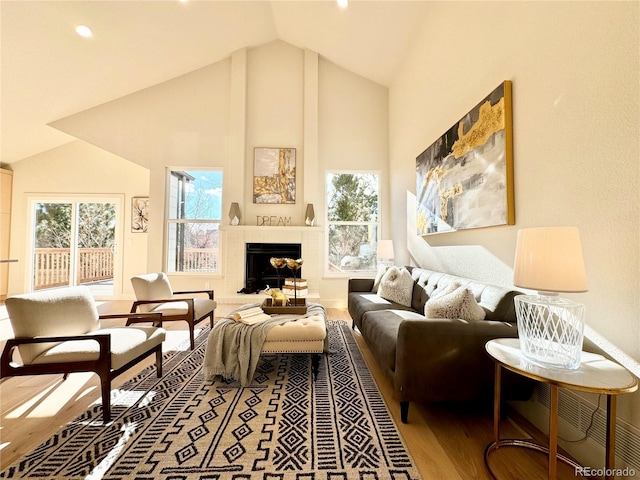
(596,374)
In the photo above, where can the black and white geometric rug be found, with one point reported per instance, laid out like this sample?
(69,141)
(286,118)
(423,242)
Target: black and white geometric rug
(284,426)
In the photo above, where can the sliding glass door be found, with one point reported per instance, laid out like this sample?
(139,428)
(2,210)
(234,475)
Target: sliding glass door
(75,242)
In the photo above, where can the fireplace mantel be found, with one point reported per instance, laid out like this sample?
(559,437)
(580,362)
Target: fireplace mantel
(269,228)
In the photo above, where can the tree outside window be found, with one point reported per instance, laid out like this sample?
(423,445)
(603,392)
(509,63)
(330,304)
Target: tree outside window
(353,221)
(96,225)
(193,220)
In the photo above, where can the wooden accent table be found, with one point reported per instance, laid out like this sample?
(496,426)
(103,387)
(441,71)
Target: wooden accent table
(596,374)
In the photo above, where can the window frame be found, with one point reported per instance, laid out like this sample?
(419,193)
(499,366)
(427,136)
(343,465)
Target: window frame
(171,221)
(329,223)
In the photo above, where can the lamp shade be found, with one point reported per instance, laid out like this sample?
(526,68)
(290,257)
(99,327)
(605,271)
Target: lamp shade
(385,249)
(549,259)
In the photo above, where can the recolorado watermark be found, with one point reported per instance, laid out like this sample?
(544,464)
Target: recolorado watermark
(605,472)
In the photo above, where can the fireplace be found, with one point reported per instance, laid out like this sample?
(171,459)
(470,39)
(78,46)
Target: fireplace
(259,273)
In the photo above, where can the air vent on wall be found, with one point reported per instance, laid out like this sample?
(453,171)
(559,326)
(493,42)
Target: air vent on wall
(578,411)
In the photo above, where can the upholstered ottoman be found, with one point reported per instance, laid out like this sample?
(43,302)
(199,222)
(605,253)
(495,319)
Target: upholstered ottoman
(233,347)
(305,334)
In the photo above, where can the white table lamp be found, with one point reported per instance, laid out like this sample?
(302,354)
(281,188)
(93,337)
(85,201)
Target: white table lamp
(550,328)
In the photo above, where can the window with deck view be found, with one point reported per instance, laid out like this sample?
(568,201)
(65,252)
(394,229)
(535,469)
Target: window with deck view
(353,222)
(194,214)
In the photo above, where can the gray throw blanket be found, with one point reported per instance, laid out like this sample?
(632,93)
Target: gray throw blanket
(233,348)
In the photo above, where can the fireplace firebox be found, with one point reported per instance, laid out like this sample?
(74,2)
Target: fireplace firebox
(259,273)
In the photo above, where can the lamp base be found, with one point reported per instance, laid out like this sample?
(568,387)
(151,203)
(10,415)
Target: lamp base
(551,330)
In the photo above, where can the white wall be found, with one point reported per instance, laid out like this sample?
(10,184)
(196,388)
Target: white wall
(575,73)
(275,90)
(275,95)
(182,123)
(353,135)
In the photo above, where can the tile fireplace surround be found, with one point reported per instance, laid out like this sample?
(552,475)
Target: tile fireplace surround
(235,238)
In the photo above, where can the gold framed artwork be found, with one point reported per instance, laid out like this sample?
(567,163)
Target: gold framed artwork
(139,214)
(465,178)
(274,175)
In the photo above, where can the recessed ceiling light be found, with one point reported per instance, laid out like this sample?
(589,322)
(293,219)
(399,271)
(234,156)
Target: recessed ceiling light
(84,31)
(343,3)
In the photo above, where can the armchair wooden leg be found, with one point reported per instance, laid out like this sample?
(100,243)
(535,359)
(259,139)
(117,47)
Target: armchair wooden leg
(106,398)
(159,361)
(192,339)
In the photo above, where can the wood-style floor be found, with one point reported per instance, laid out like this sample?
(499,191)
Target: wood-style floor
(446,442)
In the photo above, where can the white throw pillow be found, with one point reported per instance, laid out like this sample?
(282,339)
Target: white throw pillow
(459,303)
(382,269)
(397,286)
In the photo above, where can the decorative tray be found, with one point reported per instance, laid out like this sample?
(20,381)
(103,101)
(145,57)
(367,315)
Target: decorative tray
(300,307)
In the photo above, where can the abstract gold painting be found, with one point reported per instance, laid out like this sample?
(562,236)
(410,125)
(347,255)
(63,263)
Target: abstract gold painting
(465,178)
(274,175)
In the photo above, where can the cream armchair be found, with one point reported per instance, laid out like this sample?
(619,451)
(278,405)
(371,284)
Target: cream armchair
(59,331)
(154,294)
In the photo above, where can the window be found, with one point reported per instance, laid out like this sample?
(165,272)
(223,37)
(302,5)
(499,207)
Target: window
(194,213)
(353,221)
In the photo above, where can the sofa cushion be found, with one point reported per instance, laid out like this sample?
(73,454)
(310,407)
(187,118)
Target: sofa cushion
(419,298)
(454,302)
(397,286)
(496,301)
(380,330)
(361,303)
(498,304)
(445,289)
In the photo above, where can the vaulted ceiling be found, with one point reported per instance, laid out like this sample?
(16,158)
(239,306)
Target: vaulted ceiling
(48,72)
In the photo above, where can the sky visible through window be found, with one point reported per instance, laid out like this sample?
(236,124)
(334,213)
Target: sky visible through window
(204,195)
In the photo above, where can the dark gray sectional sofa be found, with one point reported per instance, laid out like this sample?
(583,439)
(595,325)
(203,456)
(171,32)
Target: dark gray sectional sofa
(436,359)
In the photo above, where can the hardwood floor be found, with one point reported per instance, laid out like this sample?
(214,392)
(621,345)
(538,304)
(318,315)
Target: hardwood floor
(446,442)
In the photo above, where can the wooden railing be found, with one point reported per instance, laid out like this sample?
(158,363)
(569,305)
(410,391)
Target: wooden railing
(200,260)
(52,266)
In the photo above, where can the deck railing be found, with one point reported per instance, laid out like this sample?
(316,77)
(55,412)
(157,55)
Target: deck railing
(200,260)
(52,266)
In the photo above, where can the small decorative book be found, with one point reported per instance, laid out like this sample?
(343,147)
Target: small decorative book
(290,291)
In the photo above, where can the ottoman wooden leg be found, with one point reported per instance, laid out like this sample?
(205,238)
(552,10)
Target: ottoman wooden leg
(315,364)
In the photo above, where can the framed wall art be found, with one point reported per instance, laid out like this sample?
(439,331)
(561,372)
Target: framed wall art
(274,175)
(139,214)
(465,178)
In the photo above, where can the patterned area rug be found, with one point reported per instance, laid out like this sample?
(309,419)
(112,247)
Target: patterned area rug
(284,426)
